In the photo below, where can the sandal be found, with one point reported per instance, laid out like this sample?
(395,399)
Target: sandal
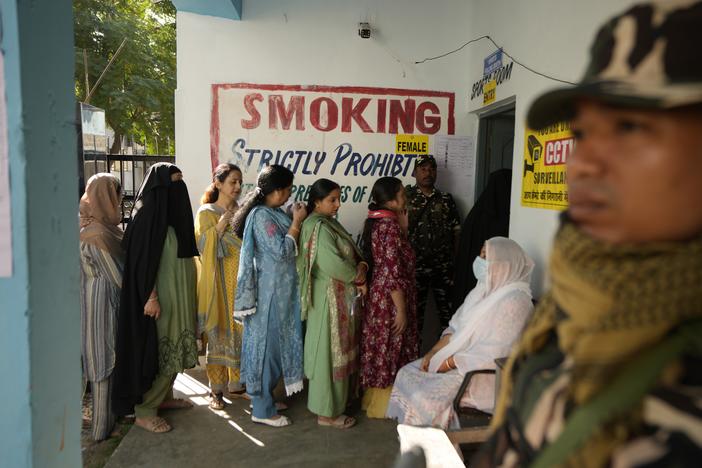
(175,403)
(341,422)
(153,424)
(280,421)
(216,401)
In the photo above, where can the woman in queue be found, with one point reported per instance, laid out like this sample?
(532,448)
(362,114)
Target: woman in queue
(389,338)
(267,295)
(219,264)
(332,273)
(101,264)
(156,333)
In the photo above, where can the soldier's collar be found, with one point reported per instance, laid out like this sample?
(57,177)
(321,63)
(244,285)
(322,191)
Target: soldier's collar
(434,191)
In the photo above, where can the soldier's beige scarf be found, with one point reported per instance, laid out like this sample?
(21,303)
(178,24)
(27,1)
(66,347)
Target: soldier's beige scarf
(606,305)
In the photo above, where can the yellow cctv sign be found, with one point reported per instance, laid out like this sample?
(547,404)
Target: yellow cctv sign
(544,176)
(412,144)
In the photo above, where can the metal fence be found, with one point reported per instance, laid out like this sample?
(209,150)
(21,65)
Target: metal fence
(130,169)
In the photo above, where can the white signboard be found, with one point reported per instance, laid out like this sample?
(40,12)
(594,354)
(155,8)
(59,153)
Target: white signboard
(346,134)
(92,120)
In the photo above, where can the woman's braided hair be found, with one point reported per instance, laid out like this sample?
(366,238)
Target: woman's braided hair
(270,179)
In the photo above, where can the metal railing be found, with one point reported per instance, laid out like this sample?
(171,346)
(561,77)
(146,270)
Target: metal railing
(130,169)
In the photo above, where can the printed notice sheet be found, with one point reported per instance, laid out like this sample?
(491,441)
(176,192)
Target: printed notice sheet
(455,159)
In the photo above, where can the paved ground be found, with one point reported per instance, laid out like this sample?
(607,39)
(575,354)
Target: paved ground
(96,454)
(202,437)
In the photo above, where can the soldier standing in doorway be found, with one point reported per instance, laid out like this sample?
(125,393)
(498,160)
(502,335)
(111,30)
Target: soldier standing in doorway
(433,231)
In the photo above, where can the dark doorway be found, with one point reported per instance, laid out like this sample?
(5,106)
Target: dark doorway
(490,214)
(495,145)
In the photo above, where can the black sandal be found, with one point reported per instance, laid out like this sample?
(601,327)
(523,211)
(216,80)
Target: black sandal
(216,401)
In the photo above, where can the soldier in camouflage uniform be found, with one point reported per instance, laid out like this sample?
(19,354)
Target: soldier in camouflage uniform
(608,370)
(433,231)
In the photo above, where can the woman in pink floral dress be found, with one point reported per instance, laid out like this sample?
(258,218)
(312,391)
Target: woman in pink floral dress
(389,337)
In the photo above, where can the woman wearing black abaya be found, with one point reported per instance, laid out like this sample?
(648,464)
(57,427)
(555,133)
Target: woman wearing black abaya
(156,332)
(488,218)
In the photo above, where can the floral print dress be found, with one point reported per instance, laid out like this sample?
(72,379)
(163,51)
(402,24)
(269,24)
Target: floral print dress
(382,354)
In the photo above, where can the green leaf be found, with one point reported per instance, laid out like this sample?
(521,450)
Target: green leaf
(137,91)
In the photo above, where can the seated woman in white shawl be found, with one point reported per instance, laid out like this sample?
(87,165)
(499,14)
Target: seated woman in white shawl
(482,329)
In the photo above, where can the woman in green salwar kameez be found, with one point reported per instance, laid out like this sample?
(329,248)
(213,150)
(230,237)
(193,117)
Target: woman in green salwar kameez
(158,304)
(332,274)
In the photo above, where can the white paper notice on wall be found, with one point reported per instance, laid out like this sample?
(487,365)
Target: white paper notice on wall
(5,214)
(455,159)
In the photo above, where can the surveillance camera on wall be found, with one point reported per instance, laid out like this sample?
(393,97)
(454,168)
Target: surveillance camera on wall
(364,30)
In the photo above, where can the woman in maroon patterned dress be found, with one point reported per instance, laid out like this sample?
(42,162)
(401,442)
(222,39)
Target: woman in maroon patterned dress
(389,337)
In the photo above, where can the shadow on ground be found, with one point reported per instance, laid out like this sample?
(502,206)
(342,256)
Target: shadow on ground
(203,437)
(228,438)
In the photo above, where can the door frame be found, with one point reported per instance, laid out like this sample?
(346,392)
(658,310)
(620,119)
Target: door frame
(492,110)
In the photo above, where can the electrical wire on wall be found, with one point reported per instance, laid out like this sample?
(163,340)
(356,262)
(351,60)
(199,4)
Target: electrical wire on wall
(536,72)
(391,54)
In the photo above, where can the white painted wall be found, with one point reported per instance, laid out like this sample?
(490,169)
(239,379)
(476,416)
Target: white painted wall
(314,42)
(310,42)
(553,37)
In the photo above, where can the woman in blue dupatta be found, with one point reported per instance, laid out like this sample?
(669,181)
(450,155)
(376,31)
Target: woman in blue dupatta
(267,294)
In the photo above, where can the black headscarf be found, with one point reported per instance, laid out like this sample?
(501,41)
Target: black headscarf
(180,218)
(159,203)
(488,218)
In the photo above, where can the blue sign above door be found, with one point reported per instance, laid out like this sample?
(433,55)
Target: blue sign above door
(492,62)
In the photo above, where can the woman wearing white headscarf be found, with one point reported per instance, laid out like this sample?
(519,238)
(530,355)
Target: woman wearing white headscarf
(482,329)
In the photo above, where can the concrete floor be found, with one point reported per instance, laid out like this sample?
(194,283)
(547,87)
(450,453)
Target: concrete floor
(202,437)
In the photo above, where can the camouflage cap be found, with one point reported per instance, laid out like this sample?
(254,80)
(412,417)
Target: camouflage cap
(424,158)
(649,57)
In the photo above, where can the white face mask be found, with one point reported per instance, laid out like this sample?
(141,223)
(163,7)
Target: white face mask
(480,267)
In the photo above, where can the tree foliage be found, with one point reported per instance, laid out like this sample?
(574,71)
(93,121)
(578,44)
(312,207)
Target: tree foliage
(137,92)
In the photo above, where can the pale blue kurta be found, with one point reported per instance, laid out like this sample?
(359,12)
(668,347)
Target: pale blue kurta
(267,284)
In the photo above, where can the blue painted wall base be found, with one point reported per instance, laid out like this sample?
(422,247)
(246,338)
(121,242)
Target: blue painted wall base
(230,9)
(40,417)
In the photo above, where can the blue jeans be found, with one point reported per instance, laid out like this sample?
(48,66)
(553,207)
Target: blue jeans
(263,403)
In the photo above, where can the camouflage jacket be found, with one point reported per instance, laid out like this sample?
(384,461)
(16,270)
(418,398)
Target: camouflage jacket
(433,221)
